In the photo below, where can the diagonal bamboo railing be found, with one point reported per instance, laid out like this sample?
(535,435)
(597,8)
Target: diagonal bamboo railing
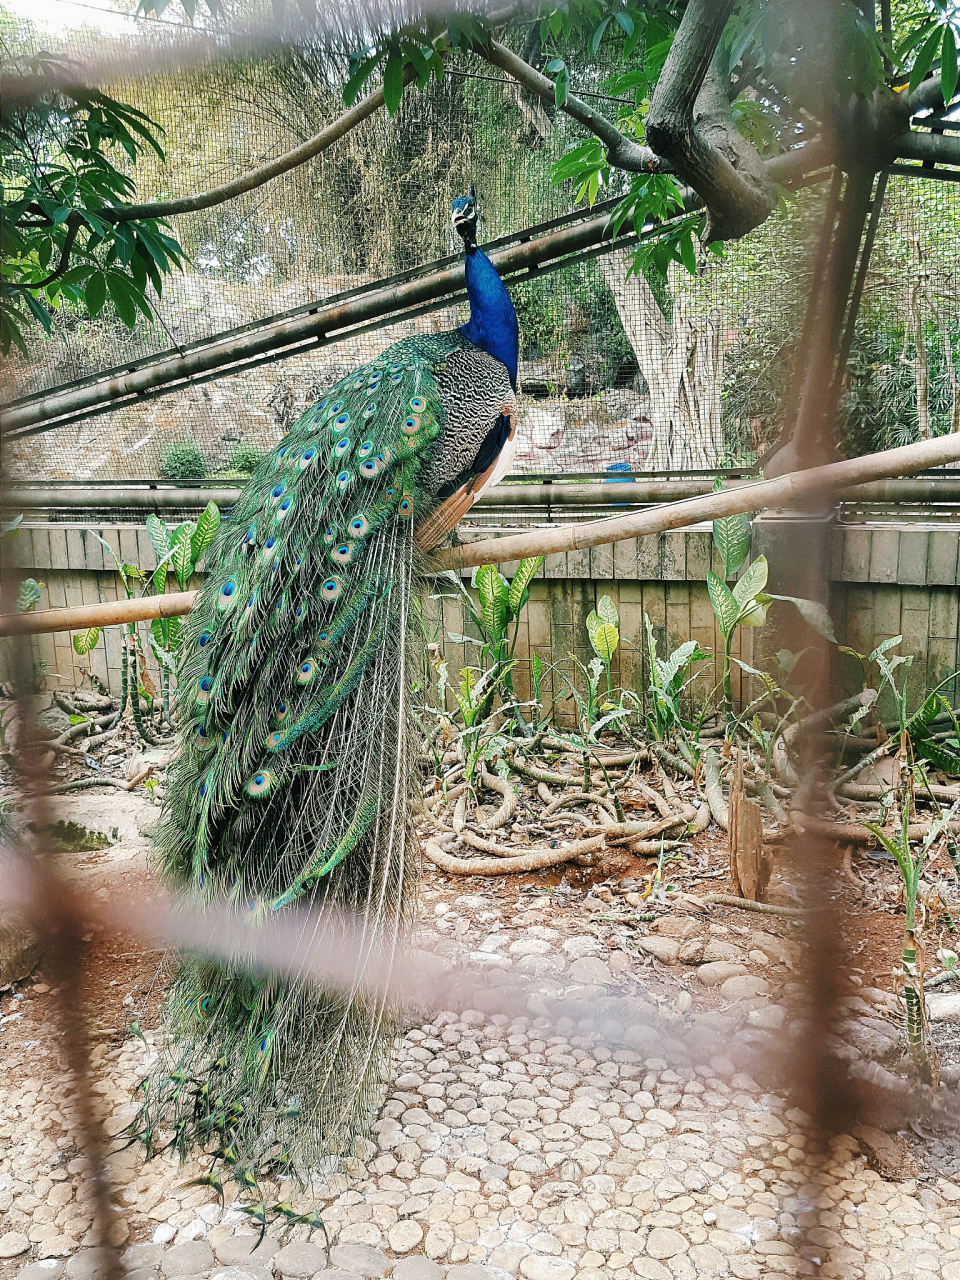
(783,491)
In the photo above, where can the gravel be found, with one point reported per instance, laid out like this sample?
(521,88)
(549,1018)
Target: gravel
(575,1117)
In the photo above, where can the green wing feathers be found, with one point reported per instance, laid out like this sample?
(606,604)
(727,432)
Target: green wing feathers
(285,793)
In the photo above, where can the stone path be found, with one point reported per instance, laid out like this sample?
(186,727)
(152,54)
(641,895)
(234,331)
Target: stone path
(575,1141)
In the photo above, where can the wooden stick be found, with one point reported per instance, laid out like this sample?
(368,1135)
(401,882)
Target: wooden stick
(81,617)
(532,859)
(779,492)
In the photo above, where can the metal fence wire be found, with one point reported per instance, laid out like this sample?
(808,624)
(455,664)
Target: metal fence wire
(618,374)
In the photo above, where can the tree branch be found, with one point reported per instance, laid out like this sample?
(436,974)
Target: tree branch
(73,226)
(622,152)
(265,173)
(689,125)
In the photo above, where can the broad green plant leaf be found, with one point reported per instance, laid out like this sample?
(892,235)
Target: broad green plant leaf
(84,641)
(603,636)
(679,660)
(751,583)
(182,558)
(494,593)
(28,595)
(725,607)
(159,536)
(207,526)
(731,537)
(813,613)
(520,586)
(608,612)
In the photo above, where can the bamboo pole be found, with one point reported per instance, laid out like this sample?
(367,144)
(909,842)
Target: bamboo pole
(82,617)
(782,491)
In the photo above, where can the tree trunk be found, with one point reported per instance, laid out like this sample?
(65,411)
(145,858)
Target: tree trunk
(682,362)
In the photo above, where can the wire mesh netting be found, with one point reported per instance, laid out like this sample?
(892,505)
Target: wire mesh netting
(620,373)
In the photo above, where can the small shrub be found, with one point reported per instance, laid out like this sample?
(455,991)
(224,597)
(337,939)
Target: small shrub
(182,460)
(245,459)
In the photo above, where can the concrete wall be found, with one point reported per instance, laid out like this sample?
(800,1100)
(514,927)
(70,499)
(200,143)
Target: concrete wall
(886,580)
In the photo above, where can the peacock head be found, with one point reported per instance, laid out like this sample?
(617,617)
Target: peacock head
(464,219)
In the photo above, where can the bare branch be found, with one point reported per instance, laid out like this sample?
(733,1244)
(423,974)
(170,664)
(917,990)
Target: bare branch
(73,226)
(266,172)
(689,125)
(622,152)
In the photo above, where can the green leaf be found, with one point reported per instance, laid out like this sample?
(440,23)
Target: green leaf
(948,64)
(724,605)
(731,537)
(494,594)
(924,59)
(604,637)
(159,536)
(922,717)
(751,583)
(182,558)
(79,719)
(207,526)
(83,642)
(28,595)
(393,82)
(608,611)
(520,586)
(121,293)
(813,613)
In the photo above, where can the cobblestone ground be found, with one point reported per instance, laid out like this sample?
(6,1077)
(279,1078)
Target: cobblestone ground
(549,1145)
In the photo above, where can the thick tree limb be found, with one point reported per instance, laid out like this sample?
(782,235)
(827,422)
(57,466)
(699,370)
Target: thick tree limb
(939,148)
(264,173)
(689,124)
(622,152)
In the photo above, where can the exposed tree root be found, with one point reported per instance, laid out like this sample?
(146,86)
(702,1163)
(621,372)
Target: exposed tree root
(533,859)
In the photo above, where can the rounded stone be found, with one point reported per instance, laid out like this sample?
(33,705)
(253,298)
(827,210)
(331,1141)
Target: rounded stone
(711,975)
(590,970)
(240,1273)
(743,988)
(139,1256)
(666,950)
(404,1236)
(302,1259)
(417,1267)
(41,1271)
(90,1264)
(538,1266)
(140,1273)
(470,1271)
(361,1259)
(13,1243)
(664,1242)
(238,1251)
(188,1259)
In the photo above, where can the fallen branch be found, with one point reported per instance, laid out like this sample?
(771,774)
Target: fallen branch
(762,908)
(853,832)
(535,859)
(874,791)
(84,784)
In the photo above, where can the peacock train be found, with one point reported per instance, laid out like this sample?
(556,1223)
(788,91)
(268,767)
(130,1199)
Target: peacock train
(291,788)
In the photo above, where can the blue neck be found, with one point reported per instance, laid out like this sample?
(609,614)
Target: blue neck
(493,321)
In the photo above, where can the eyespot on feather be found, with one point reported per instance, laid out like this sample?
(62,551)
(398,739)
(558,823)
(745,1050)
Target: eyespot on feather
(307,671)
(359,525)
(308,457)
(417,404)
(341,447)
(343,553)
(284,509)
(330,535)
(370,409)
(228,594)
(261,784)
(270,546)
(204,639)
(331,589)
(344,481)
(277,492)
(204,685)
(411,426)
(274,741)
(281,711)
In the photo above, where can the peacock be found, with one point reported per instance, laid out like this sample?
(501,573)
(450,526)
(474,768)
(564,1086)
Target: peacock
(291,787)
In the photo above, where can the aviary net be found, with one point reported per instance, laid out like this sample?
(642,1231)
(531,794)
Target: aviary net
(620,373)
